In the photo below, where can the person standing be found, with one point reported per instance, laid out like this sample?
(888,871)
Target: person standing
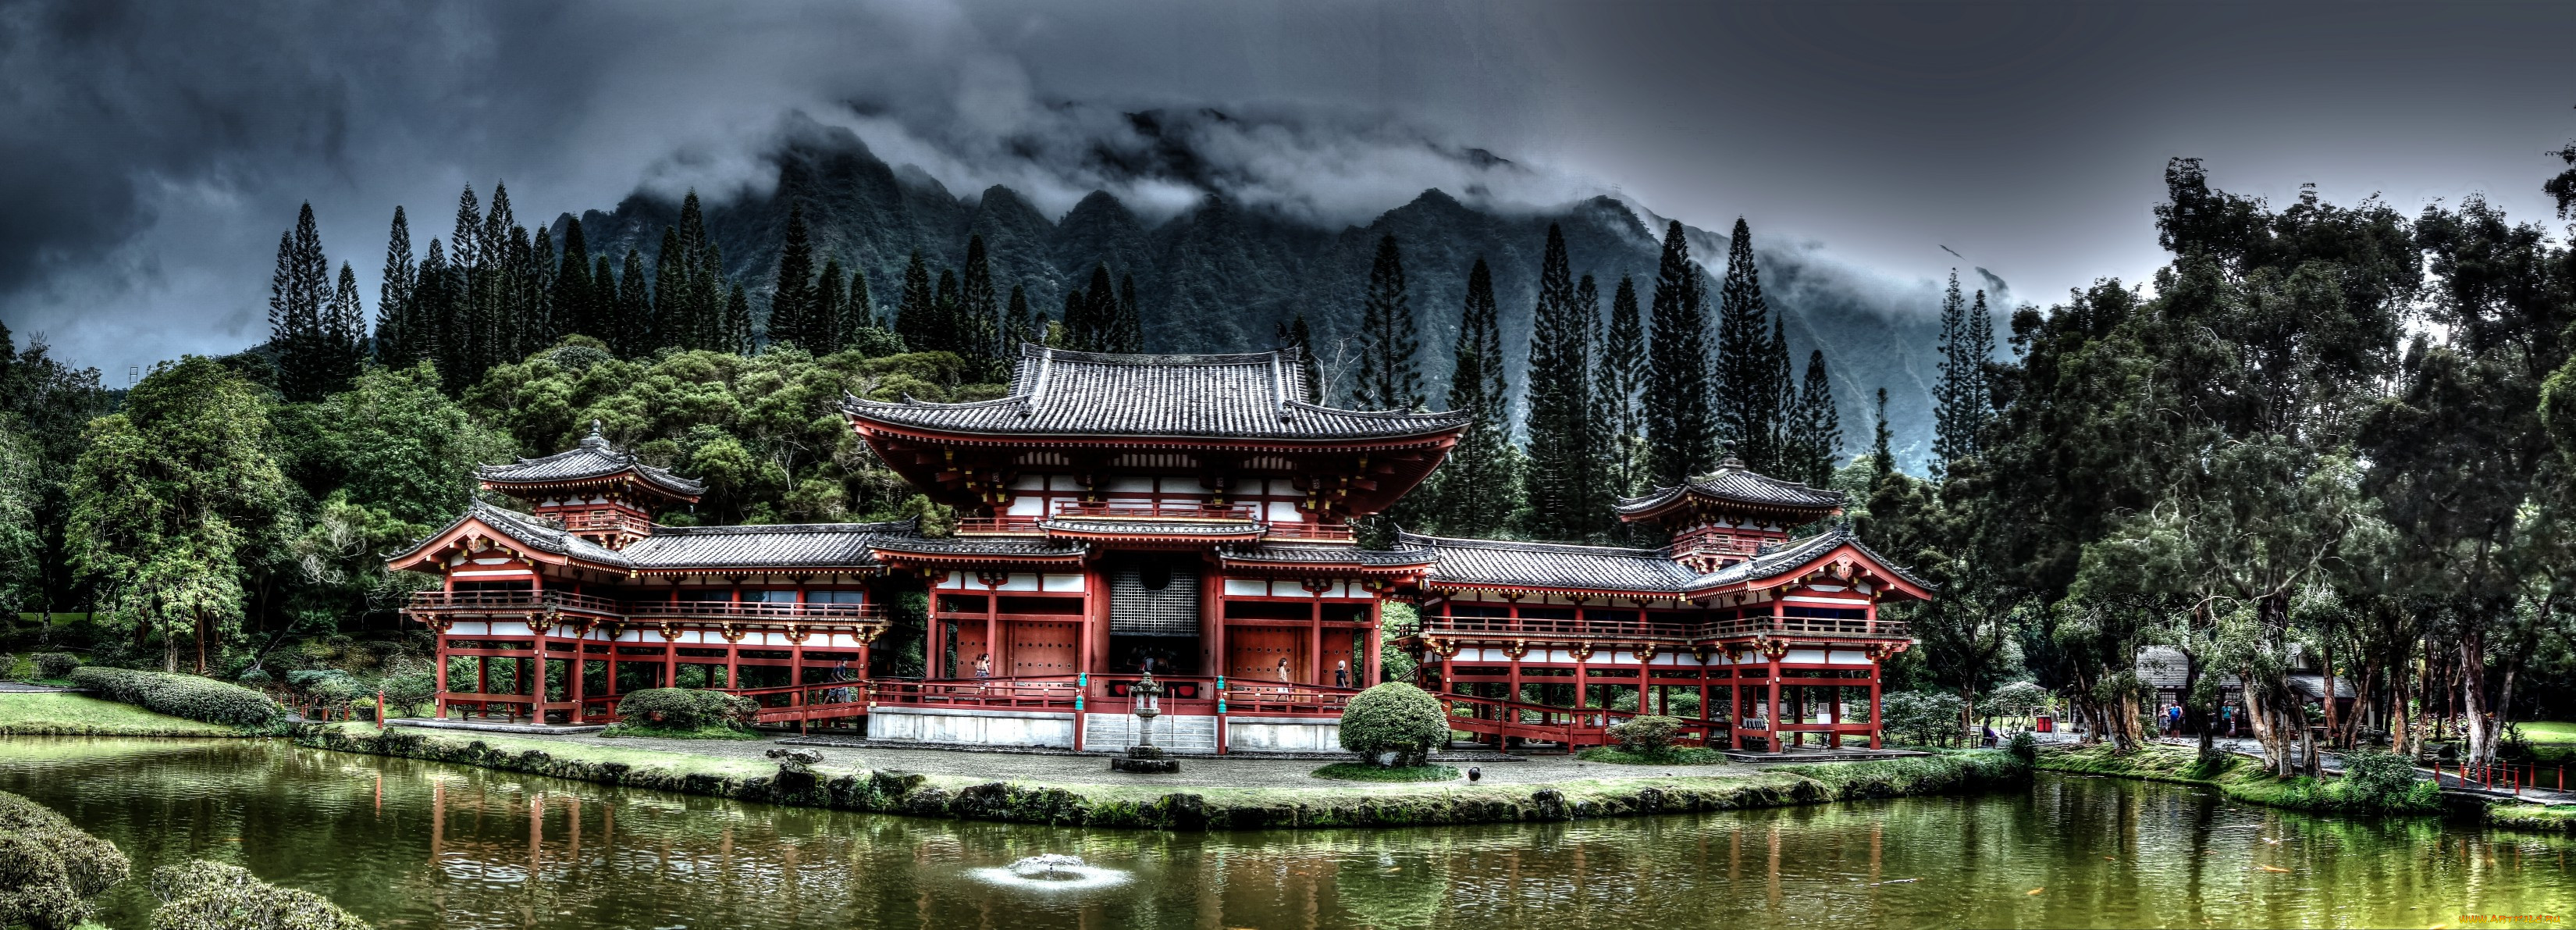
(1341,674)
(984,665)
(1283,669)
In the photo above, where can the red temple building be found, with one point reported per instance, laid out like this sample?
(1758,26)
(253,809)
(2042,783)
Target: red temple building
(1188,515)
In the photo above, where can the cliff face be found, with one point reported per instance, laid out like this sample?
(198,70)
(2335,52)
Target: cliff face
(1222,276)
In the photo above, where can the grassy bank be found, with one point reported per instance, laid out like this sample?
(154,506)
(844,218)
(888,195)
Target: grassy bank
(59,714)
(1195,808)
(2241,780)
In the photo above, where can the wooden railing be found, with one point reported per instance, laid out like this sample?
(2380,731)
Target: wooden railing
(746,611)
(1665,631)
(1163,510)
(1568,726)
(1311,531)
(601,521)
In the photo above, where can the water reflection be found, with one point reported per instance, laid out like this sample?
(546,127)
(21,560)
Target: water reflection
(408,844)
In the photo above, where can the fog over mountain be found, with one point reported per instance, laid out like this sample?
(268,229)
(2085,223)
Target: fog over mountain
(1222,272)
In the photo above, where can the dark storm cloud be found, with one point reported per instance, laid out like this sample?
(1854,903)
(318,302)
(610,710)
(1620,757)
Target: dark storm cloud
(151,153)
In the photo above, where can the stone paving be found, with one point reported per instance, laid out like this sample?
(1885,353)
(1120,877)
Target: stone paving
(1069,769)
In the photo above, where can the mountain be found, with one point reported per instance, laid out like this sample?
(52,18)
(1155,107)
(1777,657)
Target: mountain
(1220,277)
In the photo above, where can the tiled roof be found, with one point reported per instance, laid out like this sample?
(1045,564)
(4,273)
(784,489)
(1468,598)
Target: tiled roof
(1330,555)
(980,545)
(1733,482)
(1151,527)
(529,531)
(594,458)
(1789,557)
(1551,565)
(818,545)
(1249,396)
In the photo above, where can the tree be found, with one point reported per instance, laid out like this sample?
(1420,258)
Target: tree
(171,498)
(344,333)
(1681,429)
(1390,375)
(636,331)
(398,339)
(1019,325)
(736,335)
(1477,484)
(1963,401)
(1619,373)
(675,324)
(576,306)
(1564,486)
(792,302)
(979,312)
(1815,432)
(861,311)
(1296,336)
(830,310)
(1127,322)
(917,315)
(1752,361)
(298,293)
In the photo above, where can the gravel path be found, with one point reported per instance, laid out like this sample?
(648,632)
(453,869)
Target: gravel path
(1215,772)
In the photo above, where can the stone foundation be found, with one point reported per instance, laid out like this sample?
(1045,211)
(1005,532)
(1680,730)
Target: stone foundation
(969,727)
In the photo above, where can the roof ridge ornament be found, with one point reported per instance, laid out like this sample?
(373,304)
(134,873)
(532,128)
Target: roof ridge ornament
(594,440)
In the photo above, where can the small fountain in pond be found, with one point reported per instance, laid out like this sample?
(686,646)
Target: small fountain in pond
(1050,871)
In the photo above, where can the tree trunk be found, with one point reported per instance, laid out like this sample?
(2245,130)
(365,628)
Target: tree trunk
(2473,725)
(2326,653)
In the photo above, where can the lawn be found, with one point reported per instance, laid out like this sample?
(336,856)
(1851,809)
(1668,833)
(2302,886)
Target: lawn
(2548,732)
(81,715)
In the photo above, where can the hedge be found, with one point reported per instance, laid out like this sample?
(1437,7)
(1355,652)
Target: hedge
(1394,718)
(685,709)
(56,665)
(180,695)
(49,868)
(203,895)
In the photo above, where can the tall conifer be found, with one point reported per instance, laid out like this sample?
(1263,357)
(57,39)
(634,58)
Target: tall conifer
(638,330)
(1815,432)
(1390,375)
(1477,489)
(736,334)
(1018,325)
(1751,362)
(861,310)
(1295,335)
(397,339)
(344,334)
(1962,400)
(917,311)
(1681,429)
(1127,323)
(674,320)
(435,314)
(824,316)
(791,303)
(1619,374)
(299,295)
(575,307)
(1563,483)
(947,308)
(979,310)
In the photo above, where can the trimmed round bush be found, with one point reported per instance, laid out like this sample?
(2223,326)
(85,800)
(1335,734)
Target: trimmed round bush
(1394,718)
(1649,735)
(56,665)
(179,695)
(685,709)
(203,895)
(50,868)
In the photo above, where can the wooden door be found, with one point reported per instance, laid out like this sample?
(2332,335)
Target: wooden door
(970,643)
(1337,648)
(1043,648)
(1253,653)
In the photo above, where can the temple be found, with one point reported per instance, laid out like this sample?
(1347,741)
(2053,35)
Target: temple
(1184,515)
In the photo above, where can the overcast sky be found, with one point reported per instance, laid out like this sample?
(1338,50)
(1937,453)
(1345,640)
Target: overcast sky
(150,153)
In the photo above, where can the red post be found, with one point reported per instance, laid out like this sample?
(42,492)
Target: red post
(380,710)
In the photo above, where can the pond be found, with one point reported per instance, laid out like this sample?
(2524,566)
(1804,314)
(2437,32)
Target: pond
(412,844)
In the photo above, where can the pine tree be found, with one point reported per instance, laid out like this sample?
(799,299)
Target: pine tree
(861,310)
(1127,324)
(1077,308)
(1882,457)
(398,342)
(1619,373)
(1018,325)
(1962,400)
(602,311)
(497,276)
(736,336)
(1390,375)
(1477,486)
(1751,363)
(916,316)
(708,303)
(979,310)
(823,320)
(537,288)
(434,314)
(1815,433)
(947,308)
(791,303)
(575,307)
(638,331)
(1681,429)
(344,334)
(299,293)
(1563,483)
(674,321)
(1297,337)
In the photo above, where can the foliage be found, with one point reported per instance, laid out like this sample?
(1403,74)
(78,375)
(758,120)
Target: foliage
(2023,746)
(1396,621)
(1752,397)
(2015,699)
(1478,487)
(1646,735)
(202,895)
(180,695)
(685,709)
(1923,718)
(1397,719)
(49,869)
(1565,487)
(2375,778)
(56,665)
(174,500)
(1681,428)
(63,714)
(1364,771)
(1670,755)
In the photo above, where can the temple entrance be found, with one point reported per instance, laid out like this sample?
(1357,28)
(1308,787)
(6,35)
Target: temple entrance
(1172,655)
(1254,653)
(1154,614)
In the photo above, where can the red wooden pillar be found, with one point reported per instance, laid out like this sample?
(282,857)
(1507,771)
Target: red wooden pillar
(439,703)
(1315,640)
(1877,721)
(537,679)
(930,657)
(579,663)
(1643,663)
(993,626)
(1773,686)
(1735,706)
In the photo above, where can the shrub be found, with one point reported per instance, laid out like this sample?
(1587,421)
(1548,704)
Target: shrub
(56,665)
(410,688)
(1646,736)
(2376,779)
(8,666)
(49,868)
(180,695)
(1394,718)
(685,709)
(203,895)
(253,677)
(2023,746)
(1923,718)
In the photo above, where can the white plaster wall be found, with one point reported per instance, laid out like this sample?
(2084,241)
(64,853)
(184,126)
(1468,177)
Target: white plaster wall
(1284,734)
(971,727)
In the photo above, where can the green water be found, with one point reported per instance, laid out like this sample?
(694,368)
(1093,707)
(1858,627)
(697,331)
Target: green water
(412,844)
